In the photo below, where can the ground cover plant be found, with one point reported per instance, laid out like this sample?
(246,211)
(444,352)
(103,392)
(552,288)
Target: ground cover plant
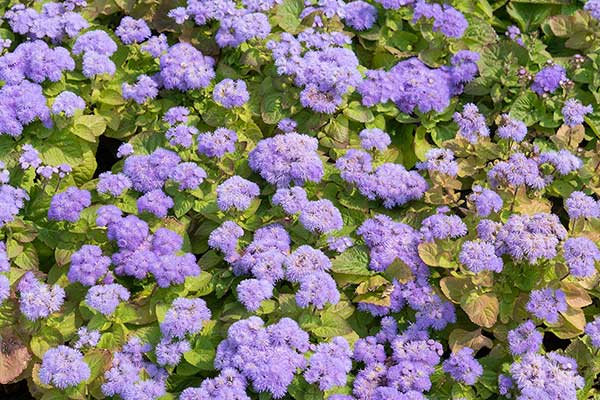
(279,199)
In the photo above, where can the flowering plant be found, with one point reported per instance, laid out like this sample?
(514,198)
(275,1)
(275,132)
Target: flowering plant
(269,199)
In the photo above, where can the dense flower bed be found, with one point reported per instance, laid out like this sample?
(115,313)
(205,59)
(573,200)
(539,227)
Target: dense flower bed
(269,199)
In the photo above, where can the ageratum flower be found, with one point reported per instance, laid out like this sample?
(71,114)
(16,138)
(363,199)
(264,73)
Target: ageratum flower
(580,205)
(173,269)
(63,367)
(107,215)
(355,167)
(184,317)
(321,216)
(228,384)
(156,45)
(549,79)
(440,161)
(225,238)
(146,88)
(574,112)
(86,338)
(169,353)
(189,175)
(441,226)
(97,64)
(67,103)
(330,364)
(292,200)
(581,255)
(236,192)
(4,288)
(106,298)
(393,184)
(230,93)
(185,68)
(471,123)
(563,161)
(593,7)
(512,129)
(217,143)
(155,202)
(21,104)
(67,206)
(251,292)
(592,330)
(524,339)
(38,300)
(287,158)
(486,201)
(36,62)
(518,170)
(12,201)
(113,184)
(305,261)
(463,367)
(339,244)
(132,30)
(88,264)
(530,237)
(97,42)
(480,256)
(124,150)
(175,115)
(374,139)
(360,15)
(546,304)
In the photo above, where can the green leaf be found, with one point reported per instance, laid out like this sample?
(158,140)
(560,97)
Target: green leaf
(98,361)
(353,261)
(288,15)
(435,255)
(45,339)
(89,127)
(357,112)
(332,325)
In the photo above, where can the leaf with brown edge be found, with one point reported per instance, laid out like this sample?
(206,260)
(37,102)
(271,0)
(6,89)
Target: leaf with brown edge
(400,271)
(570,325)
(576,296)
(460,338)
(454,287)
(482,309)
(14,356)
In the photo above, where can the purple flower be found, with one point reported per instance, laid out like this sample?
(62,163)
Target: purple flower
(230,93)
(360,15)
(124,150)
(450,22)
(169,353)
(185,68)
(176,115)
(179,14)
(355,167)
(374,139)
(107,215)
(441,161)
(512,129)
(63,367)
(251,292)
(106,298)
(165,242)
(38,300)
(291,200)
(592,330)
(530,237)
(486,201)
(580,205)
(30,157)
(97,64)
(189,175)
(236,192)
(129,232)
(463,367)
(143,90)
(593,7)
(149,173)
(287,158)
(184,317)
(514,33)
(581,255)
(305,261)
(181,135)
(132,30)
(518,170)
(173,269)
(441,226)
(471,123)
(546,304)
(11,202)
(113,184)
(574,112)
(317,289)
(524,339)
(394,185)
(88,265)
(225,238)
(241,27)
(155,202)
(22,104)
(549,79)
(287,125)
(67,206)
(321,216)
(339,244)
(4,260)
(330,364)
(480,256)
(67,102)
(156,45)
(563,160)
(86,338)
(97,42)
(218,143)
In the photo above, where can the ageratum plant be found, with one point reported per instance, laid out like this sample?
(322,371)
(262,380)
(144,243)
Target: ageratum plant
(279,199)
